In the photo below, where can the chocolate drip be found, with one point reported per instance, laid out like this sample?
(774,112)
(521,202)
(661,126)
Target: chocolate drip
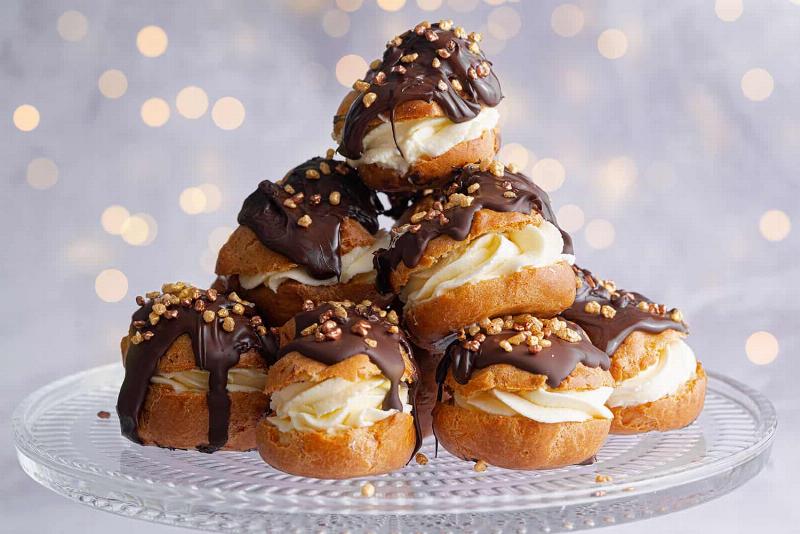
(555,362)
(308,233)
(216,349)
(608,333)
(338,336)
(410,239)
(433,63)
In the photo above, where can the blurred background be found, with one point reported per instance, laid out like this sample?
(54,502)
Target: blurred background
(668,135)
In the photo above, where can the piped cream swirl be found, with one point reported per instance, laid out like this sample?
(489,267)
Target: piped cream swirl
(196,380)
(544,406)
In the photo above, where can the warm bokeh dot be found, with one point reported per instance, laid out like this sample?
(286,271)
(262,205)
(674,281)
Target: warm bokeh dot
(728,10)
(462,6)
(774,225)
(350,68)
(567,20)
(155,112)
(599,233)
(213,197)
(757,84)
(504,23)
(391,5)
(429,5)
(111,285)
(618,177)
(612,44)
(218,237)
(208,261)
(26,118)
(139,230)
(349,5)
(42,173)
(549,174)
(761,348)
(191,102)
(72,26)
(570,217)
(112,83)
(113,219)
(192,200)
(228,113)
(514,153)
(152,41)
(336,23)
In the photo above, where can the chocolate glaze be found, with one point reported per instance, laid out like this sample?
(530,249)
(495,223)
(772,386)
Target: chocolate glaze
(395,81)
(608,334)
(409,241)
(555,362)
(315,247)
(341,345)
(215,350)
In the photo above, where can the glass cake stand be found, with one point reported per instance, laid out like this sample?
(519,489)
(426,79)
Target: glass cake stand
(64,445)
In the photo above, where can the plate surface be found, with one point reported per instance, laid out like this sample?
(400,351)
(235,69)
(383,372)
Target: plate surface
(65,446)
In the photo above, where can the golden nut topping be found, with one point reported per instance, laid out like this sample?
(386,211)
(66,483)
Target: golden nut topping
(361,86)
(238,309)
(409,58)
(475,36)
(223,312)
(335,198)
(312,174)
(368,99)
(592,307)
(329,155)
(497,168)
(460,32)
(392,317)
(209,316)
(676,315)
(289,203)
(506,346)
(474,48)
(370,342)
(446,24)
(436,64)
(421,458)
(474,187)
(607,311)
(644,306)
(304,221)
(480,466)
(509,194)
(456,85)
(228,324)
(325,168)
(512,167)
(367,490)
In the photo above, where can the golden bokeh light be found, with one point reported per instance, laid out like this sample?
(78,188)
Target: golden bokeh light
(218,237)
(113,219)
(350,68)
(514,153)
(155,112)
(213,197)
(191,102)
(567,20)
(336,23)
(504,23)
(112,83)
(111,285)
(612,44)
(192,200)
(42,173)
(139,230)
(349,5)
(429,5)
(618,177)
(570,217)
(391,5)
(761,348)
(549,174)
(208,261)
(462,6)
(599,233)
(152,41)
(728,10)
(86,254)
(497,2)
(757,84)
(774,225)
(228,113)
(72,26)
(26,118)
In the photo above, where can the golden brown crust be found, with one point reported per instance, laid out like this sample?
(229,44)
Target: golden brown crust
(180,420)
(667,413)
(380,448)
(543,291)
(639,351)
(516,442)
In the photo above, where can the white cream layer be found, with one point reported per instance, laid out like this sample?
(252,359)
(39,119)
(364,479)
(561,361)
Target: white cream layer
(421,138)
(196,380)
(676,365)
(490,256)
(542,405)
(332,405)
(355,262)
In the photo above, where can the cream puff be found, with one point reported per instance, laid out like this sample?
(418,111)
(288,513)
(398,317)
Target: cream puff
(427,107)
(523,393)
(309,236)
(195,369)
(341,394)
(486,244)
(660,385)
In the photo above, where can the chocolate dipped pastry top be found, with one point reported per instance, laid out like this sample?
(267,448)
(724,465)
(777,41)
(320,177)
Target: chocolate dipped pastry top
(549,347)
(221,328)
(300,215)
(609,315)
(434,63)
(490,186)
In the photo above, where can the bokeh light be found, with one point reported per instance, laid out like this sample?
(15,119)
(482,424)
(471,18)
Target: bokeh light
(113,219)
(462,6)
(111,285)
(336,23)
(228,113)
(549,174)
(757,84)
(42,173)
(570,217)
(761,348)
(139,230)
(429,5)
(112,83)
(192,200)
(599,233)
(86,254)
(504,23)
(728,10)
(218,237)
(618,178)
(514,153)
(612,44)
(349,5)
(72,26)
(213,197)
(26,118)
(152,41)
(155,112)
(774,225)
(191,102)
(349,68)
(391,5)
(567,20)
(208,261)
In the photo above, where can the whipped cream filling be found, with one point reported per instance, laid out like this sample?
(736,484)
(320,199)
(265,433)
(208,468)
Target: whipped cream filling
(333,405)
(541,405)
(420,138)
(489,256)
(355,262)
(196,380)
(676,365)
